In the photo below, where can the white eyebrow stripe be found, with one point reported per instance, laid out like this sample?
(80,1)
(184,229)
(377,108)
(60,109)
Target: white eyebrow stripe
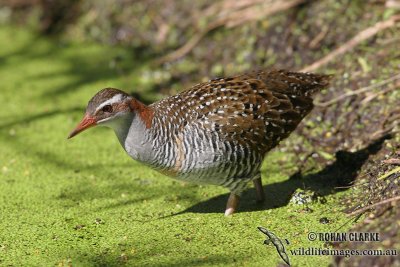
(114,99)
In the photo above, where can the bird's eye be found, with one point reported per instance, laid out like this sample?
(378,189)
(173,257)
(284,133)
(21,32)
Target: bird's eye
(107,109)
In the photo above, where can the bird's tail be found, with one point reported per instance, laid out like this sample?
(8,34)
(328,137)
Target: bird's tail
(305,83)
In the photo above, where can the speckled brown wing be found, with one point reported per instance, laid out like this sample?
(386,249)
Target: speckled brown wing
(288,82)
(257,109)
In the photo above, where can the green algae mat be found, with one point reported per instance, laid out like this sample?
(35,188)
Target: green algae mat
(84,202)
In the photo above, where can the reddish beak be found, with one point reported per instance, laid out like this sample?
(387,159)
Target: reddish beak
(86,123)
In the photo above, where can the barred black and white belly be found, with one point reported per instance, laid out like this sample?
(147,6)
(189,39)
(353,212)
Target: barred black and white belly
(205,158)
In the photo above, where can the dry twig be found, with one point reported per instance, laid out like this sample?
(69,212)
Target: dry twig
(362,210)
(356,92)
(371,97)
(248,11)
(317,39)
(392,161)
(362,36)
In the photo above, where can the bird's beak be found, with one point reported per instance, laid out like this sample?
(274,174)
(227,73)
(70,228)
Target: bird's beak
(85,123)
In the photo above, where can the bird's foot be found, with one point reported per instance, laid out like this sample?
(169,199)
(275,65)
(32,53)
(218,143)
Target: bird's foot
(232,204)
(260,196)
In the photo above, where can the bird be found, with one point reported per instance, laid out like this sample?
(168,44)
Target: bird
(217,132)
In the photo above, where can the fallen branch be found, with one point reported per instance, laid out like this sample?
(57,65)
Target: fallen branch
(356,92)
(362,210)
(380,133)
(362,36)
(392,161)
(231,19)
(375,95)
(256,12)
(317,39)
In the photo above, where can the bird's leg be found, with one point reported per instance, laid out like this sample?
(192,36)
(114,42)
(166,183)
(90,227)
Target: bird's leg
(232,204)
(260,196)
